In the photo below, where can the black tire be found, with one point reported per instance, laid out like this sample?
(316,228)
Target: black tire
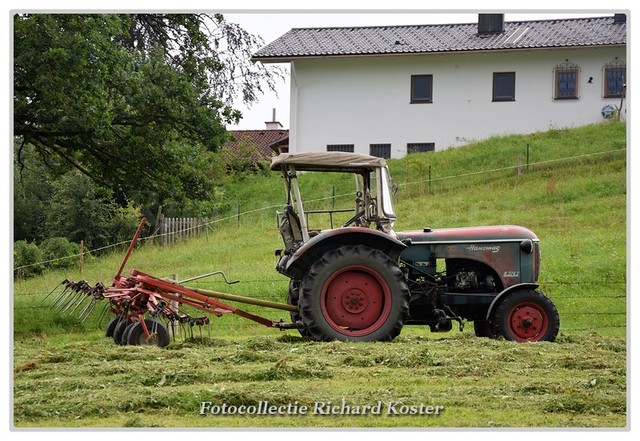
(484,328)
(125,335)
(111,326)
(293,296)
(159,334)
(527,315)
(354,293)
(119,330)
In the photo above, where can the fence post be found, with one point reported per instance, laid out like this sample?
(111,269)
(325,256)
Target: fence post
(429,178)
(527,156)
(519,166)
(158,226)
(238,215)
(333,199)
(81,255)
(173,306)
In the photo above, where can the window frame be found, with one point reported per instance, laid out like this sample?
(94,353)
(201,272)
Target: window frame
(346,148)
(415,147)
(503,98)
(556,83)
(608,69)
(385,146)
(413,98)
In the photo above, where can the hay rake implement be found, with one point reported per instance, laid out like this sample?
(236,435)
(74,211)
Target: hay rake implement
(140,303)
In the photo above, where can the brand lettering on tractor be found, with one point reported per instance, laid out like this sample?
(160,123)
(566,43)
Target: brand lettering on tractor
(511,274)
(492,248)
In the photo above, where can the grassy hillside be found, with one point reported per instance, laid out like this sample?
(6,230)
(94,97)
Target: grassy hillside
(572,194)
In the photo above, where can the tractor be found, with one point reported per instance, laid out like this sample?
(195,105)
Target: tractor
(363,281)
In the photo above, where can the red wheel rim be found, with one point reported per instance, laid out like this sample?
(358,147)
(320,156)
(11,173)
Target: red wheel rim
(356,301)
(528,322)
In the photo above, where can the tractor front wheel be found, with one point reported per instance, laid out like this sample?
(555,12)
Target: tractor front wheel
(527,316)
(354,293)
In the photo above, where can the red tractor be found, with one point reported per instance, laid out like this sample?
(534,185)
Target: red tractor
(363,281)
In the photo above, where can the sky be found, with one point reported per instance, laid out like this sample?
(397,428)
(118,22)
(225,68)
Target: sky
(272,24)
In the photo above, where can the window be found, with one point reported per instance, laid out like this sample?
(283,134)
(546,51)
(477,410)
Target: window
(614,79)
(421,89)
(340,148)
(504,86)
(566,80)
(380,150)
(421,147)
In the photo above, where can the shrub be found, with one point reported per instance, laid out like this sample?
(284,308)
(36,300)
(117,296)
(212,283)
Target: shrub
(56,249)
(26,254)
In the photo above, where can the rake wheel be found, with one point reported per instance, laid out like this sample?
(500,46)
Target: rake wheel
(159,336)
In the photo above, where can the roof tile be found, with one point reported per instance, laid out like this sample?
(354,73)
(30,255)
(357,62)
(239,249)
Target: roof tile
(415,39)
(260,140)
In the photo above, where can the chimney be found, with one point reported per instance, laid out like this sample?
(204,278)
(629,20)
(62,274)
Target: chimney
(273,124)
(619,18)
(490,24)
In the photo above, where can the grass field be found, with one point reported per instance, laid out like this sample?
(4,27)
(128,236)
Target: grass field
(66,374)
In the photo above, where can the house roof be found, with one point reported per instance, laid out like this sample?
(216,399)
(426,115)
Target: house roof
(261,139)
(419,39)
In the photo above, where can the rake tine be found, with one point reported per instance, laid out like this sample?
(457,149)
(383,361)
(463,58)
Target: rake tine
(51,292)
(86,312)
(103,313)
(88,306)
(72,297)
(66,292)
(85,301)
(77,302)
(69,299)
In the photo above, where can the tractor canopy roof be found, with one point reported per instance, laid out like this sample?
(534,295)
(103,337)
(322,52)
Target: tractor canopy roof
(327,161)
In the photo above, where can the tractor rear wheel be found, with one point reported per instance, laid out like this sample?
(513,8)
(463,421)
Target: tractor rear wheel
(484,328)
(292,299)
(527,315)
(354,293)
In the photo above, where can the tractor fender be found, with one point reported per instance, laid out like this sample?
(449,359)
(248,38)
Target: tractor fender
(300,262)
(506,292)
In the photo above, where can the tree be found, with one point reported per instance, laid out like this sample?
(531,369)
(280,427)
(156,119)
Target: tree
(80,210)
(32,192)
(131,100)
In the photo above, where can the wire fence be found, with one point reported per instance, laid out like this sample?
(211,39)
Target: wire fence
(238,215)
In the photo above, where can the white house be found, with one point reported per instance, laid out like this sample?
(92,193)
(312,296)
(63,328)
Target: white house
(393,90)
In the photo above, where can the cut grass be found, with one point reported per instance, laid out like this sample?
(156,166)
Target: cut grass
(576,382)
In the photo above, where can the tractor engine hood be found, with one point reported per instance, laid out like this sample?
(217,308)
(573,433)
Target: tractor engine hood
(500,233)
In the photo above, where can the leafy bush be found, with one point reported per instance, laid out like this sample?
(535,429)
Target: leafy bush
(82,210)
(56,249)
(27,254)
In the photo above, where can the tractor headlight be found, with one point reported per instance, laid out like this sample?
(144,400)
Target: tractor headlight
(526,246)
